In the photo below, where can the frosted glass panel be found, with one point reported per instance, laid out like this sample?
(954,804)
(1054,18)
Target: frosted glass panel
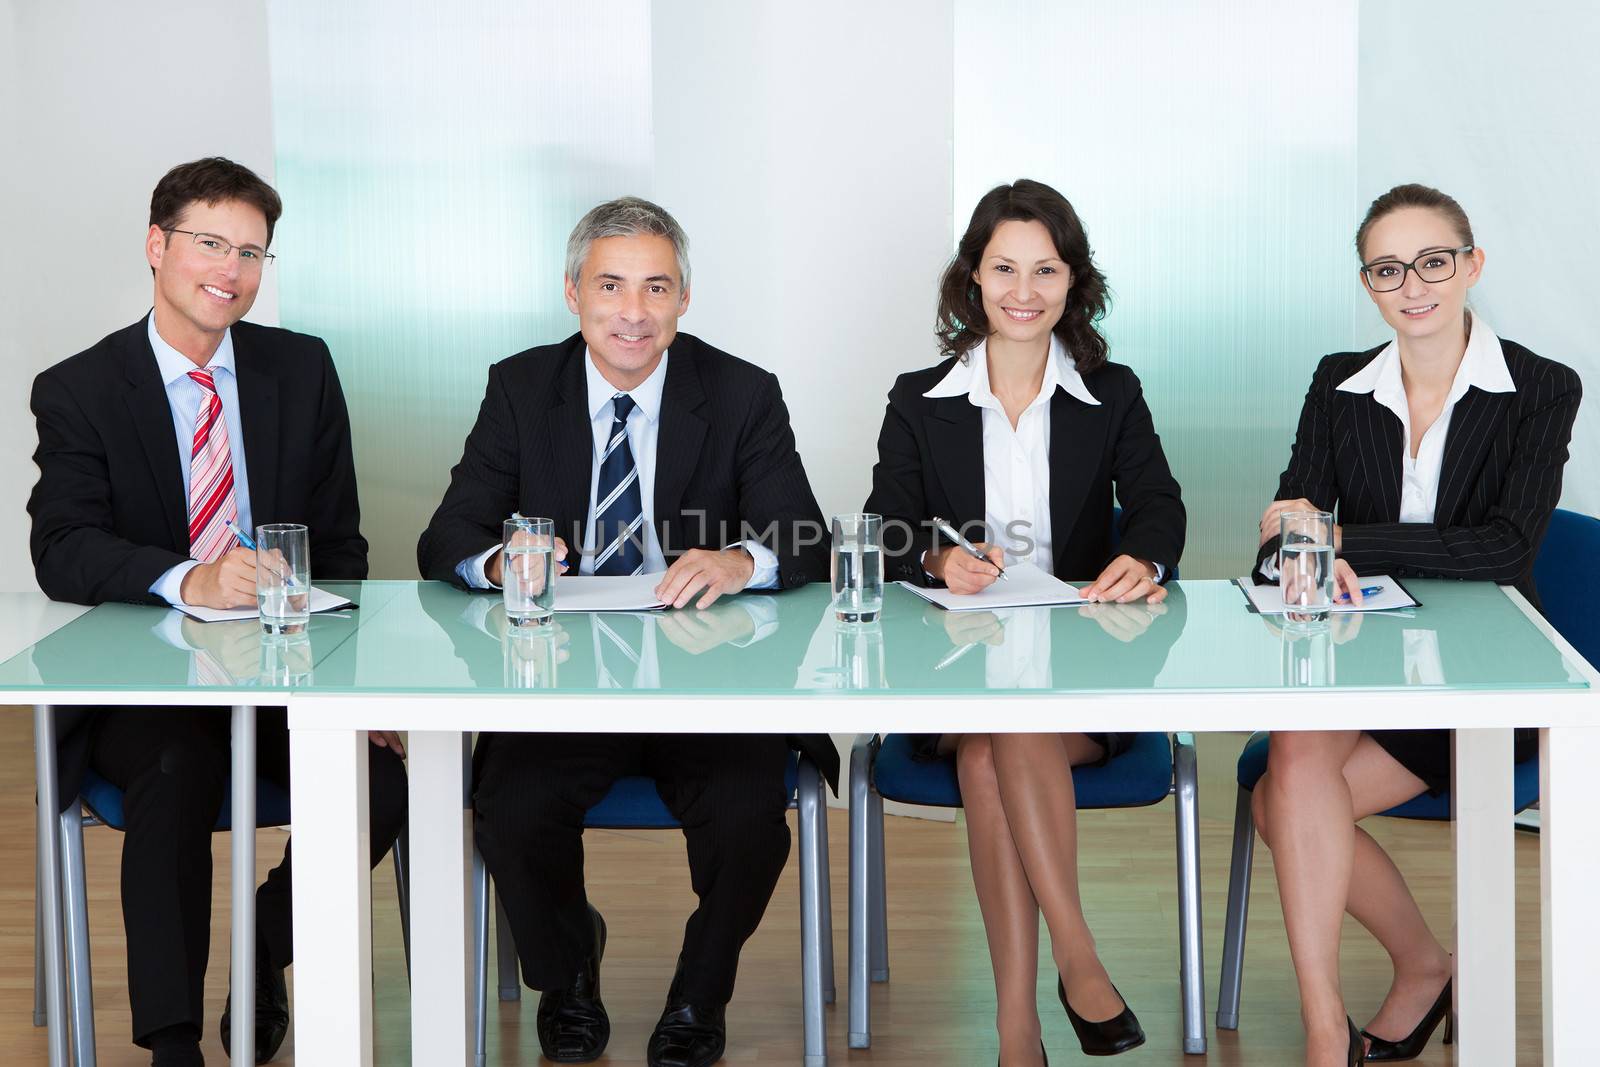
(1210,148)
(432,160)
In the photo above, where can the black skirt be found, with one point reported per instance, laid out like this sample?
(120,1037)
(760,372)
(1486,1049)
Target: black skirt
(926,746)
(1426,753)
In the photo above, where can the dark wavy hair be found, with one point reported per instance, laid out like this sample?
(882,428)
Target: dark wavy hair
(962,322)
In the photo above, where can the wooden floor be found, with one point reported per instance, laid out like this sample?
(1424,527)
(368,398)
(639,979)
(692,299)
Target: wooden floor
(938,1008)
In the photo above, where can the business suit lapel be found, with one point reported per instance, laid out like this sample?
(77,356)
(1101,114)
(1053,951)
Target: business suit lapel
(955,440)
(572,444)
(679,438)
(258,417)
(1378,444)
(1473,429)
(152,419)
(1077,443)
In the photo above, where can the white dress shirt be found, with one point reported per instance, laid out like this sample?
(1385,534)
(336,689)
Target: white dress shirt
(643,428)
(183,397)
(1482,365)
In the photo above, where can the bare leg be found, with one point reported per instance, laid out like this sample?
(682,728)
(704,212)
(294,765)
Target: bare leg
(1035,777)
(1010,914)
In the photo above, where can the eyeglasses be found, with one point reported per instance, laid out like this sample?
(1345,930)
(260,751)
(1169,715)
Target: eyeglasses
(1387,275)
(209,244)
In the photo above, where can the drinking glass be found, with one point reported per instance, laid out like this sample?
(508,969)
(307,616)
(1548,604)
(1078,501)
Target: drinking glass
(529,655)
(286,659)
(283,577)
(1308,656)
(857,567)
(1305,563)
(528,571)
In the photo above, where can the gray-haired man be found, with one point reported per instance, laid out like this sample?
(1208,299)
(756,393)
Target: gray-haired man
(654,453)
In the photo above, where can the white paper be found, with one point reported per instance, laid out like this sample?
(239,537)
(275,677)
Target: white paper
(608,592)
(1025,586)
(321,600)
(1268,599)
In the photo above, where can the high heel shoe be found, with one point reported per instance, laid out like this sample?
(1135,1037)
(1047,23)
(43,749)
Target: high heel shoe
(1411,1046)
(1042,1052)
(1357,1047)
(1117,1034)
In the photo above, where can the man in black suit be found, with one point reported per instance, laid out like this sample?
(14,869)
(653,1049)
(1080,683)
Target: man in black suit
(653,452)
(151,443)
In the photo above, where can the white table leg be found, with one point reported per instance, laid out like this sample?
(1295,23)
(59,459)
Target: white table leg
(49,880)
(1486,944)
(439,767)
(1569,871)
(332,899)
(243,928)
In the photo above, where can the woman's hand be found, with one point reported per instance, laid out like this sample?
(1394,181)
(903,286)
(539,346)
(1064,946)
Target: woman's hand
(1126,579)
(962,574)
(1345,582)
(1269,518)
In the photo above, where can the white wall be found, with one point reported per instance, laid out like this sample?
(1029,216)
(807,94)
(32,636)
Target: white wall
(103,99)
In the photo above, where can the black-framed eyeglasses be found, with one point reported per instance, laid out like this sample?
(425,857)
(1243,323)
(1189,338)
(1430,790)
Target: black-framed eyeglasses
(1387,275)
(209,244)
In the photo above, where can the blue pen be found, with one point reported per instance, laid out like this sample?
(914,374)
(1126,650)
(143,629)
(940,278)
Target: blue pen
(1366,591)
(248,542)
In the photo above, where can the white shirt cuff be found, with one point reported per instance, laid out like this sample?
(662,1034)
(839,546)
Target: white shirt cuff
(169,586)
(471,569)
(765,575)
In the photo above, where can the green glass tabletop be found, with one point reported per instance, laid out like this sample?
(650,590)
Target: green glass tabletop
(130,646)
(431,638)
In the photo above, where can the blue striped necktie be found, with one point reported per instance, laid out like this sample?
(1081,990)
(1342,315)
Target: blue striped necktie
(618,515)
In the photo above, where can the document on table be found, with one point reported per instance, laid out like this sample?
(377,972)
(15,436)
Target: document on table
(608,592)
(321,600)
(1268,599)
(1025,586)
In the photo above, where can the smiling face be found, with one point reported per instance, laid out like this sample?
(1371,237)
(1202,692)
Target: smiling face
(1420,309)
(197,296)
(628,297)
(1023,282)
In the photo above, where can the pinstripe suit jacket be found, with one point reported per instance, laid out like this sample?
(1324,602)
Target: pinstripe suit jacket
(1500,479)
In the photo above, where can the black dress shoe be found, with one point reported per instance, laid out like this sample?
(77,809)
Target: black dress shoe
(1117,1034)
(1411,1046)
(272,1011)
(687,1035)
(572,1022)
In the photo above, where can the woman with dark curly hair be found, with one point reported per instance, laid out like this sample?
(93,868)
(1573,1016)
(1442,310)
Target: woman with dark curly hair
(1023,431)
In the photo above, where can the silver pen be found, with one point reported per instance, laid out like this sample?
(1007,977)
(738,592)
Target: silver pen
(962,543)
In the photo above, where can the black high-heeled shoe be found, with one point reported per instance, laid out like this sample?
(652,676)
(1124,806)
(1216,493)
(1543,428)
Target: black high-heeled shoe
(1358,1048)
(1411,1046)
(1117,1034)
(1042,1052)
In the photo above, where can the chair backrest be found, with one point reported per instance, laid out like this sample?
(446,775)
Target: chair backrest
(1567,575)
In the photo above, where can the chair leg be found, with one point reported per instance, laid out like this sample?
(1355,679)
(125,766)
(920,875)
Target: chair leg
(860,935)
(75,925)
(1232,980)
(39,1015)
(812,875)
(1191,954)
(878,942)
(507,967)
(830,992)
(480,958)
(402,886)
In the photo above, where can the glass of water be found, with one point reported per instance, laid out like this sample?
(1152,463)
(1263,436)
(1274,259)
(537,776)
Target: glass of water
(528,571)
(286,659)
(857,567)
(1308,657)
(283,577)
(1305,563)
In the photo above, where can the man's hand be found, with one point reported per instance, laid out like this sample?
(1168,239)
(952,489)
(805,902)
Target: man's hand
(388,739)
(701,631)
(716,573)
(960,572)
(230,582)
(1126,579)
(494,567)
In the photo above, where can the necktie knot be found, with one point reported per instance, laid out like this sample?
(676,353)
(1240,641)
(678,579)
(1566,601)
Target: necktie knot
(622,406)
(204,380)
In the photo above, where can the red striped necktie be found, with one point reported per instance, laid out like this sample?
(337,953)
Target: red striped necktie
(211,503)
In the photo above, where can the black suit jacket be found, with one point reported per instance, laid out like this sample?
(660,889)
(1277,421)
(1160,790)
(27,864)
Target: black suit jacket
(1499,483)
(109,512)
(726,468)
(930,462)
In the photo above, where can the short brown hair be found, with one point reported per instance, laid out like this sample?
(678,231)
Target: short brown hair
(1413,195)
(212,180)
(962,322)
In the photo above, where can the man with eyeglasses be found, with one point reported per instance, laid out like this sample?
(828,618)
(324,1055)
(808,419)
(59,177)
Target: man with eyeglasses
(155,444)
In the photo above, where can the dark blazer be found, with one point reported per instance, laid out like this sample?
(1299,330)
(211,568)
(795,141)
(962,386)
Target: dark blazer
(930,462)
(109,512)
(1500,480)
(726,465)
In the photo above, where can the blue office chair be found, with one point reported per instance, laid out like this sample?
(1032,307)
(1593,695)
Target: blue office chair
(1154,768)
(99,803)
(1567,575)
(634,804)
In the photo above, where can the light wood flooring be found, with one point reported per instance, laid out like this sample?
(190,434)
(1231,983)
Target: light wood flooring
(937,1009)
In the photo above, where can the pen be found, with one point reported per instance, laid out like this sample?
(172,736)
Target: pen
(961,542)
(1366,591)
(249,542)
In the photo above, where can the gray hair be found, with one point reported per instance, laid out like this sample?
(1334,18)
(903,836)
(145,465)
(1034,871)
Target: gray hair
(627,216)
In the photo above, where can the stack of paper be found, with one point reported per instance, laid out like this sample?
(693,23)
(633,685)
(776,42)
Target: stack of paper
(606,592)
(1268,599)
(1024,586)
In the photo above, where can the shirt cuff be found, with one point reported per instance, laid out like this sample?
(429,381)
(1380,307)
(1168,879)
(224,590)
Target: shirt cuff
(1161,573)
(765,575)
(169,586)
(1269,568)
(471,569)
